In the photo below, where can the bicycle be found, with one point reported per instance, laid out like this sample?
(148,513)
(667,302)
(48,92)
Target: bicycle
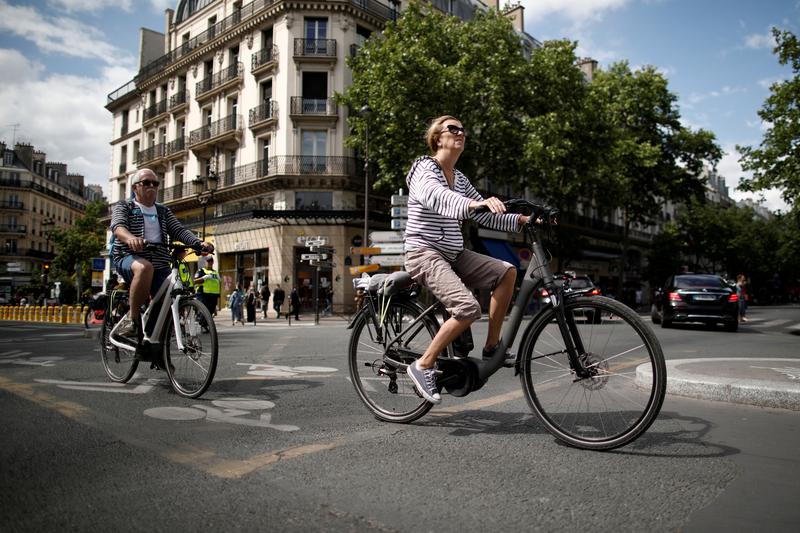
(594,384)
(178,335)
(96,310)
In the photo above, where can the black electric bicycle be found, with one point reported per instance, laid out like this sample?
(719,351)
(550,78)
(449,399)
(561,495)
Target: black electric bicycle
(178,336)
(595,384)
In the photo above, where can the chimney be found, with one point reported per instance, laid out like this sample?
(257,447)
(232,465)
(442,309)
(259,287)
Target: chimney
(517,15)
(25,154)
(588,66)
(2,148)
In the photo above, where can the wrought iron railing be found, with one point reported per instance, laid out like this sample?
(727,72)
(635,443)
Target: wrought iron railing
(264,56)
(220,127)
(176,192)
(313,106)
(220,78)
(178,99)
(11,204)
(263,112)
(154,152)
(125,90)
(315,47)
(155,110)
(175,146)
(13,228)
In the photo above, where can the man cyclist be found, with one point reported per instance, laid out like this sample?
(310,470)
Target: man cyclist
(134,223)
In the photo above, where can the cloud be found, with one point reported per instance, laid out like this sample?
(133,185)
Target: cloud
(60,35)
(576,11)
(72,6)
(731,170)
(760,40)
(73,128)
(161,5)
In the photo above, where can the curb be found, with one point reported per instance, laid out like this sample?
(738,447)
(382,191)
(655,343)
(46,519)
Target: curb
(718,387)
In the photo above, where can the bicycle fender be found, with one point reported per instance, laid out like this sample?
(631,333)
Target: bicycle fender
(352,323)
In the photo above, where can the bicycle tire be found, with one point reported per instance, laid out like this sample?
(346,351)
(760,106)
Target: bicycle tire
(387,391)
(120,365)
(192,370)
(624,396)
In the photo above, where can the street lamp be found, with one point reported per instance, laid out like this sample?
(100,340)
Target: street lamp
(49,223)
(204,187)
(366,112)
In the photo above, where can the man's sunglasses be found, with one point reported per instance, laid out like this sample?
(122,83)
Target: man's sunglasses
(455,130)
(149,183)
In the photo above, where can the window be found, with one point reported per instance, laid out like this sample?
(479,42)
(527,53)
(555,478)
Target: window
(234,55)
(263,164)
(124,130)
(178,175)
(136,151)
(11,246)
(313,151)
(122,190)
(362,34)
(308,200)
(316,33)
(315,93)
(266,38)
(266,90)
(8,158)
(123,159)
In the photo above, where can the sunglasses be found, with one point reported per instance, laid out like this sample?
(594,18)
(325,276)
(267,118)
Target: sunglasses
(455,130)
(148,183)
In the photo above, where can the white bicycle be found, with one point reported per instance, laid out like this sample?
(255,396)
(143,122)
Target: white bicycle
(178,336)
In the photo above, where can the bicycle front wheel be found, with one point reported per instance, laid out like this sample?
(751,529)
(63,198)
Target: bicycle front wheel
(120,365)
(192,369)
(384,387)
(625,389)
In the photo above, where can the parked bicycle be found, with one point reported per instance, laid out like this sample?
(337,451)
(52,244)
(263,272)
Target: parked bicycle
(178,336)
(594,384)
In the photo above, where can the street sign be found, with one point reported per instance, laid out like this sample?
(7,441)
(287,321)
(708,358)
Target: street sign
(309,257)
(316,243)
(386,236)
(390,248)
(322,249)
(398,223)
(98,263)
(355,270)
(399,212)
(365,251)
(399,200)
(388,260)
(322,264)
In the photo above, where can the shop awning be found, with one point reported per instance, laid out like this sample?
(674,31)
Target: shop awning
(501,250)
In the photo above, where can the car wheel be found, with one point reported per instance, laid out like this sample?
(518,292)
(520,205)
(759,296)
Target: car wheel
(666,323)
(654,316)
(731,326)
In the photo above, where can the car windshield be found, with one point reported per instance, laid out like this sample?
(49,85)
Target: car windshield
(693,282)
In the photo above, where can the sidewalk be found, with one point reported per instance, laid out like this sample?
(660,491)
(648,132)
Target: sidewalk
(765,382)
(223,320)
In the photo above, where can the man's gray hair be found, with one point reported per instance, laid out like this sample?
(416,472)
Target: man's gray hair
(141,174)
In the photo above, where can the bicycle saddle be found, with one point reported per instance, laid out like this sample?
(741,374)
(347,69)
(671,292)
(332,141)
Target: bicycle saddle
(390,284)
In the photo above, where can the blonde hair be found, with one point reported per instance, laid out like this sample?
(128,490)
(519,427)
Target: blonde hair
(435,131)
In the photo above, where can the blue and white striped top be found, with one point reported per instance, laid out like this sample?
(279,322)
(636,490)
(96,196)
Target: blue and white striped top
(435,211)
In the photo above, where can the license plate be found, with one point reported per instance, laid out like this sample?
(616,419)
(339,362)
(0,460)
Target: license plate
(705,298)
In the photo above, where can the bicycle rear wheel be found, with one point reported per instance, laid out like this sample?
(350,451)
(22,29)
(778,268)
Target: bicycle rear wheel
(192,369)
(621,398)
(386,389)
(120,365)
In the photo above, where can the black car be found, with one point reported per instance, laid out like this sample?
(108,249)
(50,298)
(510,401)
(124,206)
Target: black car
(571,283)
(702,298)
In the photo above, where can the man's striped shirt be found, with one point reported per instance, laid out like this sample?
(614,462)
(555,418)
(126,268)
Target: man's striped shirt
(435,211)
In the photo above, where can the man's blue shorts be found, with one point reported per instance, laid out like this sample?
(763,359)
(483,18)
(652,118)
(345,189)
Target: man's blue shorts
(124,269)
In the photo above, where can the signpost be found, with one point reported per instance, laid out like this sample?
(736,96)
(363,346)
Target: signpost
(320,257)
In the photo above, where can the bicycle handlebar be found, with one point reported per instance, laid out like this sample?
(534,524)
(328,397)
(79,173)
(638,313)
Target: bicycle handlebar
(547,215)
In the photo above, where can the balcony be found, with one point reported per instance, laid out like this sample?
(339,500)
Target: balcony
(264,116)
(11,204)
(178,101)
(153,112)
(315,50)
(176,192)
(265,60)
(313,111)
(27,252)
(177,148)
(154,154)
(127,89)
(20,229)
(216,83)
(224,131)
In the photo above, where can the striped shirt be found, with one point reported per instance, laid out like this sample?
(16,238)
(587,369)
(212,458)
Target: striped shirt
(435,211)
(127,215)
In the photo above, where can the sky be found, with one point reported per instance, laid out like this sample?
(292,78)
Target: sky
(61,58)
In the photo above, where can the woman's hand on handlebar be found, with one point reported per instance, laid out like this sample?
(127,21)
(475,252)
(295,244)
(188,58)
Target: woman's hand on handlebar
(494,205)
(207,247)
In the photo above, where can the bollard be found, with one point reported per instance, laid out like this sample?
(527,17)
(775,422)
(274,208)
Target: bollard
(62,314)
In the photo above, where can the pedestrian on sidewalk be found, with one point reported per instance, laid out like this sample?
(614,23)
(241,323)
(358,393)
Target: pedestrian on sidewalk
(741,292)
(265,299)
(250,304)
(235,302)
(278,297)
(294,304)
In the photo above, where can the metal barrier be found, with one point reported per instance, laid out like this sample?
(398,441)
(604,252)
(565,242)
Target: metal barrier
(56,314)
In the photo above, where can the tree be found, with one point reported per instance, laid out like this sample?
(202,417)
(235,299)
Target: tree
(651,157)
(776,162)
(429,64)
(79,243)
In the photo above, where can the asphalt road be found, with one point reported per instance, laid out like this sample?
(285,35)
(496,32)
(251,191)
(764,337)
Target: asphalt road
(280,442)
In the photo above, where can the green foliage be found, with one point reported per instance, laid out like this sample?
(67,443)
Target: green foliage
(776,162)
(78,244)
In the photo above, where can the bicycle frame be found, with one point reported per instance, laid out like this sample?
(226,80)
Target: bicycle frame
(169,294)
